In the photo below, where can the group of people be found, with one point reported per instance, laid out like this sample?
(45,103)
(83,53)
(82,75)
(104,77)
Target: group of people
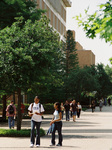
(71,109)
(36,110)
(101,103)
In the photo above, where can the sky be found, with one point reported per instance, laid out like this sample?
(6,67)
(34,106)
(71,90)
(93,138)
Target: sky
(102,50)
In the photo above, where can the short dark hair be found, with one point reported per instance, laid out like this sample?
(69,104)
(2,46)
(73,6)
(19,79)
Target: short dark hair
(12,101)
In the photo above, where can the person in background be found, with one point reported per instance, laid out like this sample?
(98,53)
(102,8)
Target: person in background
(57,117)
(71,110)
(35,112)
(11,113)
(101,104)
(67,109)
(62,110)
(74,110)
(93,106)
(109,101)
(79,108)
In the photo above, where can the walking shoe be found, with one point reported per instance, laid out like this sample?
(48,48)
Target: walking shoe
(37,145)
(31,146)
(59,145)
(52,144)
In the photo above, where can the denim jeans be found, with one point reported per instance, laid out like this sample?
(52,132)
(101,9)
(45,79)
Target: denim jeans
(67,115)
(37,125)
(58,127)
(11,122)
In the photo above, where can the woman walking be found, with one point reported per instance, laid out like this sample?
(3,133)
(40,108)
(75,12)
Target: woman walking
(74,109)
(62,110)
(57,117)
(79,108)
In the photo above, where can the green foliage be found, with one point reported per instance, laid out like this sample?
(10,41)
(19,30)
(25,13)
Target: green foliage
(99,22)
(27,53)
(15,133)
(17,8)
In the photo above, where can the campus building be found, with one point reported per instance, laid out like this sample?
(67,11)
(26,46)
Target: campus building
(56,12)
(85,57)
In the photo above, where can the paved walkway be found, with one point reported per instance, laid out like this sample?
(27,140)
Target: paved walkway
(93,131)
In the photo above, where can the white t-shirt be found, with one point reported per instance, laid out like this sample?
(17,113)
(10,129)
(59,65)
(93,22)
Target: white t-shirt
(37,109)
(79,106)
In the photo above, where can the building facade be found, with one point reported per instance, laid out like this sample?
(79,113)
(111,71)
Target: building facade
(56,12)
(85,57)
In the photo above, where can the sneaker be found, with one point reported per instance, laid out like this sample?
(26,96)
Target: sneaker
(59,145)
(31,146)
(37,145)
(52,144)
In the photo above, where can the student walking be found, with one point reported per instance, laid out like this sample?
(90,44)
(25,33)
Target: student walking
(67,109)
(35,112)
(93,106)
(62,110)
(79,108)
(11,113)
(100,104)
(57,117)
(74,109)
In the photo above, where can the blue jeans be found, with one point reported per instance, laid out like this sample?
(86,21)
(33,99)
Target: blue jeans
(37,125)
(11,122)
(58,127)
(67,115)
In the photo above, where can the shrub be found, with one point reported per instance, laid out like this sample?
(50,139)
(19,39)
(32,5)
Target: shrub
(15,133)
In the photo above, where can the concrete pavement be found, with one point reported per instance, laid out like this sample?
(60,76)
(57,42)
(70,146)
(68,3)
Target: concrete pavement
(93,131)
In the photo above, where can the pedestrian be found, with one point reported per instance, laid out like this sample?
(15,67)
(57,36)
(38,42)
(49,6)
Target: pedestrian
(100,104)
(57,117)
(35,112)
(109,101)
(79,108)
(67,109)
(71,115)
(93,106)
(62,110)
(74,110)
(11,113)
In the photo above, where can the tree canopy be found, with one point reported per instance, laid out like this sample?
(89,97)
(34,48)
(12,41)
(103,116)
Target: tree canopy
(100,22)
(9,10)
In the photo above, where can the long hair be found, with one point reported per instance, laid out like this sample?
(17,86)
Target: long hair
(59,106)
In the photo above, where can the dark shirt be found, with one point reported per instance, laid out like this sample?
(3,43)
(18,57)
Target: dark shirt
(67,107)
(74,107)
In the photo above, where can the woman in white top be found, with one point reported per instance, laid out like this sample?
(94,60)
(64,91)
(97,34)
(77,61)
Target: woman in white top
(57,117)
(79,108)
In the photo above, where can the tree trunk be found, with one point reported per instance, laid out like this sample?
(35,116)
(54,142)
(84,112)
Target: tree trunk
(4,108)
(19,110)
(14,97)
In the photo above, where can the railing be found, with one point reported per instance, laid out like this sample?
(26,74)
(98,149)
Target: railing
(67,3)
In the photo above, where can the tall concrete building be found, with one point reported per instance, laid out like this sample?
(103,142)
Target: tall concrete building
(56,12)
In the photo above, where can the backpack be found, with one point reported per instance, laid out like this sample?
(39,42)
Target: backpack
(11,109)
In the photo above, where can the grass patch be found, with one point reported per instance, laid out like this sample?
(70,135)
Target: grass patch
(15,133)
(84,109)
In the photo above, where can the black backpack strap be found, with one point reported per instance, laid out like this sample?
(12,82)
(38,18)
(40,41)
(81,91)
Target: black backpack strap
(40,107)
(32,106)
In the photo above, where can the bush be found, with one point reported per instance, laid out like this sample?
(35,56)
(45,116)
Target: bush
(15,133)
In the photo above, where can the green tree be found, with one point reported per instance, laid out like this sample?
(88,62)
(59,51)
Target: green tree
(71,59)
(108,70)
(99,22)
(27,56)
(82,80)
(104,81)
(17,8)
